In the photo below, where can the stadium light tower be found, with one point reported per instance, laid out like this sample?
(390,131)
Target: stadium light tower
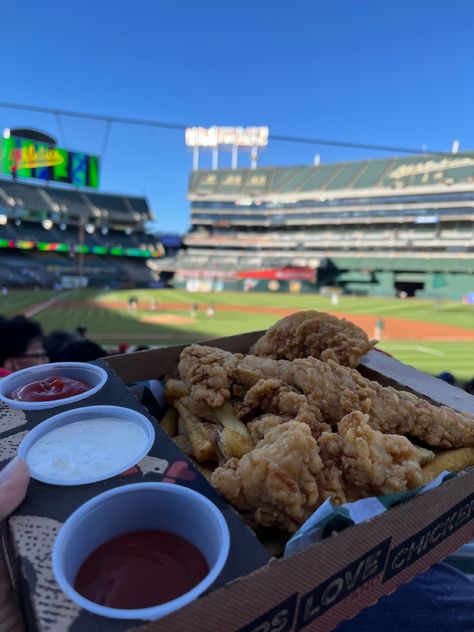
(250,138)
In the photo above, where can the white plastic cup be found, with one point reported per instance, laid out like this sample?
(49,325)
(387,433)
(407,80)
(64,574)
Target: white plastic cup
(91,374)
(131,454)
(144,506)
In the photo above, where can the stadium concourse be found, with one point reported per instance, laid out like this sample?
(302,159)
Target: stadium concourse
(54,237)
(400,226)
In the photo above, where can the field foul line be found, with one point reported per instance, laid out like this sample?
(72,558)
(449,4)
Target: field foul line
(434,352)
(36,309)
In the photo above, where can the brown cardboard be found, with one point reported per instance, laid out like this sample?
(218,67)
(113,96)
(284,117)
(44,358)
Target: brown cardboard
(34,525)
(328,582)
(333,580)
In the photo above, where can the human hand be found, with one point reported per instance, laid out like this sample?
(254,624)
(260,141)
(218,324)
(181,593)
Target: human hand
(14,480)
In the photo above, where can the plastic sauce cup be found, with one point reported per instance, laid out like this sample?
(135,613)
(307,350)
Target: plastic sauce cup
(141,507)
(112,462)
(88,373)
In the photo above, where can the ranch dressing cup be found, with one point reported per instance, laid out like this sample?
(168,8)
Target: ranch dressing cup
(87,444)
(164,507)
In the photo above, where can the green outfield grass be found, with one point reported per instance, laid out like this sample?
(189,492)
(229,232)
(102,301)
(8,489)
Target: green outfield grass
(109,325)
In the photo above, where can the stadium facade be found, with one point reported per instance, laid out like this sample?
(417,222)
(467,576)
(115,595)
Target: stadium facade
(373,227)
(59,237)
(61,232)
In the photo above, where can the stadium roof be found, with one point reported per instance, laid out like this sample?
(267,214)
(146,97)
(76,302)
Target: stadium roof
(15,194)
(391,173)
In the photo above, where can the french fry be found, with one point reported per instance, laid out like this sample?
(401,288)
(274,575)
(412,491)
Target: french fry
(202,435)
(424,455)
(183,443)
(174,389)
(452,460)
(169,422)
(200,409)
(235,439)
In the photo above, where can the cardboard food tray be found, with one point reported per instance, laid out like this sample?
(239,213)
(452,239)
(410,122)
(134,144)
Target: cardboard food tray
(34,526)
(326,583)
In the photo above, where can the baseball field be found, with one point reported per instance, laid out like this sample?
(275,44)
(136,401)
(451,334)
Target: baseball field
(433,336)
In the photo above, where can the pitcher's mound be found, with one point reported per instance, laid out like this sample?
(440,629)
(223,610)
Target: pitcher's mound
(167,319)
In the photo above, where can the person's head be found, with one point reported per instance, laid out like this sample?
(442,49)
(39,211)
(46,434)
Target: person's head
(21,344)
(447,377)
(81,351)
(469,386)
(56,341)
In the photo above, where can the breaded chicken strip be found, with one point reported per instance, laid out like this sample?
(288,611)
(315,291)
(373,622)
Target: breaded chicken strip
(317,334)
(276,483)
(332,391)
(372,463)
(276,397)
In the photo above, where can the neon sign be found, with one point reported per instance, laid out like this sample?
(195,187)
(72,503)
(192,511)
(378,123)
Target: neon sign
(23,158)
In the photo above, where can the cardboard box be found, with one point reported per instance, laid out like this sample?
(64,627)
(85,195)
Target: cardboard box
(34,526)
(330,581)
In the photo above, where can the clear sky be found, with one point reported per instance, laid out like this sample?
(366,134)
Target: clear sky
(395,72)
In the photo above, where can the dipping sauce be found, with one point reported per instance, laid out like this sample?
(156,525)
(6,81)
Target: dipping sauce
(86,449)
(51,388)
(141,569)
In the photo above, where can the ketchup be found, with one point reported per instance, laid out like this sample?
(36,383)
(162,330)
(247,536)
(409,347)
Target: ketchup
(48,389)
(140,569)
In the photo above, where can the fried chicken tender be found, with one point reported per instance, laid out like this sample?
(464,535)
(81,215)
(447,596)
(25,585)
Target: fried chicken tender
(331,390)
(317,334)
(275,483)
(371,463)
(204,370)
(277,397)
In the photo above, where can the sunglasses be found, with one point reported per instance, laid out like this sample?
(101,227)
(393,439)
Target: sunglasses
(34,355)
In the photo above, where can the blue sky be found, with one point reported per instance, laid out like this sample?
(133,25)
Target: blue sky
(375,71)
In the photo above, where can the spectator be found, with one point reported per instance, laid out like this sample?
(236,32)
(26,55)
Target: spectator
(81,351)
(469,386)
(81,332)
(56,341)
(21,344)
(447,377)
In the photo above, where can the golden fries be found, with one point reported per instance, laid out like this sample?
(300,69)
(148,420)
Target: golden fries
(183,443)
(174,389)
(202,435)
(424,455)
(235,438)
(169,422)
(199,409)
(452,460)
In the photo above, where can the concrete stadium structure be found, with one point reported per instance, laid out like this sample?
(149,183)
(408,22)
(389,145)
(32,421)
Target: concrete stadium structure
(58,236)
(375,227)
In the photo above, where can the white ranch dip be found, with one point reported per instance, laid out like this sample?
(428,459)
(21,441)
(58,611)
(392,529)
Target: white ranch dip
(86,449)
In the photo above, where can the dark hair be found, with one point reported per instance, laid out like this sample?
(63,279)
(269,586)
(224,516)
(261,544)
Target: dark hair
(56,341)
(81,351)
(447,377)
(15,336)
(469,386)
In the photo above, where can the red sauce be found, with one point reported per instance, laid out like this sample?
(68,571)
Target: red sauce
(48,389)
(141,569)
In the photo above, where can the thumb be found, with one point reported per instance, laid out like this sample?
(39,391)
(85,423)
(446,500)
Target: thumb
(14,479)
